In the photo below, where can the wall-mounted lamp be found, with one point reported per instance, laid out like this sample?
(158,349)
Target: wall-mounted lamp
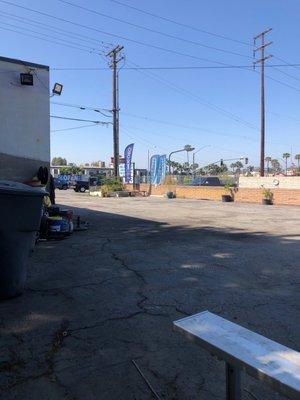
(57,89)
(26,79)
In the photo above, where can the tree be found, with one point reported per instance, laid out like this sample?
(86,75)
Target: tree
(286,156)
(58,161)
(74,170)
(214,169)
(297,157)
(275,165)
(268,160)
(232,166)
(236,166)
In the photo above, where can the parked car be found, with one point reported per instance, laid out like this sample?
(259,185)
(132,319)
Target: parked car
(206,181)
(61,184)
(82,186)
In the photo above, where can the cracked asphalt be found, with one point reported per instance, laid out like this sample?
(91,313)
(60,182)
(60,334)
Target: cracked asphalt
(107,296)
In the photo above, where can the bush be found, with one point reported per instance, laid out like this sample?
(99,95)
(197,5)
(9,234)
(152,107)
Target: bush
(268,194)
(111,185)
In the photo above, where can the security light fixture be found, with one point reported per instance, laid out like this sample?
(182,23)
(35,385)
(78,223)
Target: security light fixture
(26,79)
(57,89)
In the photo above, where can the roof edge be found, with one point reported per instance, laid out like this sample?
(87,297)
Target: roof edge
(24,63)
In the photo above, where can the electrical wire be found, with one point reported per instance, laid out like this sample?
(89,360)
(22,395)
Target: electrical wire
(89,108)
(171,68)
(180,23)
(287,63)
(112,34)
(48,36)
(143,142)
(152,30)
(48,27)
(287,74)
(82,120)
(198,99)
(80,107)
(46,40)
(193,128)
(92,50)
(73,128)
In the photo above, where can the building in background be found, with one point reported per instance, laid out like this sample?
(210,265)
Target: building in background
(25,119)
(86,172)
(112,161)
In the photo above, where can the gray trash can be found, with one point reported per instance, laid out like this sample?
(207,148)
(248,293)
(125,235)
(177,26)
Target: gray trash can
(20,215)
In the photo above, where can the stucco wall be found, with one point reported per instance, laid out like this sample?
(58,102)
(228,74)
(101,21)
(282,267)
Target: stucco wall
(270,182)
(24,120)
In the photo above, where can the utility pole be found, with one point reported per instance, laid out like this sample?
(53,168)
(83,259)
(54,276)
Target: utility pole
(261,61)
(113,54)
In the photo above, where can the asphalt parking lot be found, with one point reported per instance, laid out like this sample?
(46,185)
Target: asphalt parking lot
(107,296)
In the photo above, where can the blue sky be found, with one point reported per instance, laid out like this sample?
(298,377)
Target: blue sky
(216,107)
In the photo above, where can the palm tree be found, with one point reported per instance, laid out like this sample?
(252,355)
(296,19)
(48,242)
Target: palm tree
(275,165)
(268,160)
(297,157)
(233,166)
(286,156)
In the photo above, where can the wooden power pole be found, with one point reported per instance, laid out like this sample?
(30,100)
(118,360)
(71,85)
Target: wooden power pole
(261,48)
(113,54)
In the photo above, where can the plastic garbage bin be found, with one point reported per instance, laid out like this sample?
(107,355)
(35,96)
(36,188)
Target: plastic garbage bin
(20,215)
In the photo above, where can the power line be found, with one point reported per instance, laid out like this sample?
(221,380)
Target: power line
(180,23)
(152,30)
(48,27)
(49,36)
(282,83)
(171,68)
(193,128)
(287,74)
(82,120)
(80,107)
(90,108)
(46,40)
(286,62)
(112,34)
(197,98)
(92,50)
(73,128)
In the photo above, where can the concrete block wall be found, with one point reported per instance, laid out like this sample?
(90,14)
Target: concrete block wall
(242,195)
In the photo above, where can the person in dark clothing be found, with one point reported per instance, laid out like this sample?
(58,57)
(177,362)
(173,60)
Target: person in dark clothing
(51,190)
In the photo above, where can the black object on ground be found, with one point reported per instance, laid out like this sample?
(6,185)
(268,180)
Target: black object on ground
(226,198)
(20,217)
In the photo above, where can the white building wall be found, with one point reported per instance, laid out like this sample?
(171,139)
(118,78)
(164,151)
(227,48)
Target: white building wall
(24,119)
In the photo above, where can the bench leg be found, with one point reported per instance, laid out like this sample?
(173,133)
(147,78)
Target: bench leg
(233,383)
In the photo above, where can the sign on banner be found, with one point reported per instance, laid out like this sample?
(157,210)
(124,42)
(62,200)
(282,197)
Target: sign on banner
(128,165)
(162,165)
(154,165)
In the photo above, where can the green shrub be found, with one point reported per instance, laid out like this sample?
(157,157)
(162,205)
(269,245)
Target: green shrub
(111,185)
(267,194)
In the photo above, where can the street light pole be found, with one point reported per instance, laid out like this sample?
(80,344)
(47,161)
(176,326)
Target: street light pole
(201,148)
(186,148)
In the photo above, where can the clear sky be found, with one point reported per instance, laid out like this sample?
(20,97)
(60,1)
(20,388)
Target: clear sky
(164,109)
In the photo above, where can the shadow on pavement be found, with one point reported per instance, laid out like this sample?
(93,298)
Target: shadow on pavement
(103,297)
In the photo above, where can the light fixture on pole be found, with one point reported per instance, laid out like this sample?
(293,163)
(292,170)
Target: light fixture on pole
(186,148)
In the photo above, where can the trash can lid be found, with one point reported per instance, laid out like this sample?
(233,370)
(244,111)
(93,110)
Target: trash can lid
(20,189)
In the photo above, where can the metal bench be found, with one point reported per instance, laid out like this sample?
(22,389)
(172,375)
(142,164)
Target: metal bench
(244,350)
